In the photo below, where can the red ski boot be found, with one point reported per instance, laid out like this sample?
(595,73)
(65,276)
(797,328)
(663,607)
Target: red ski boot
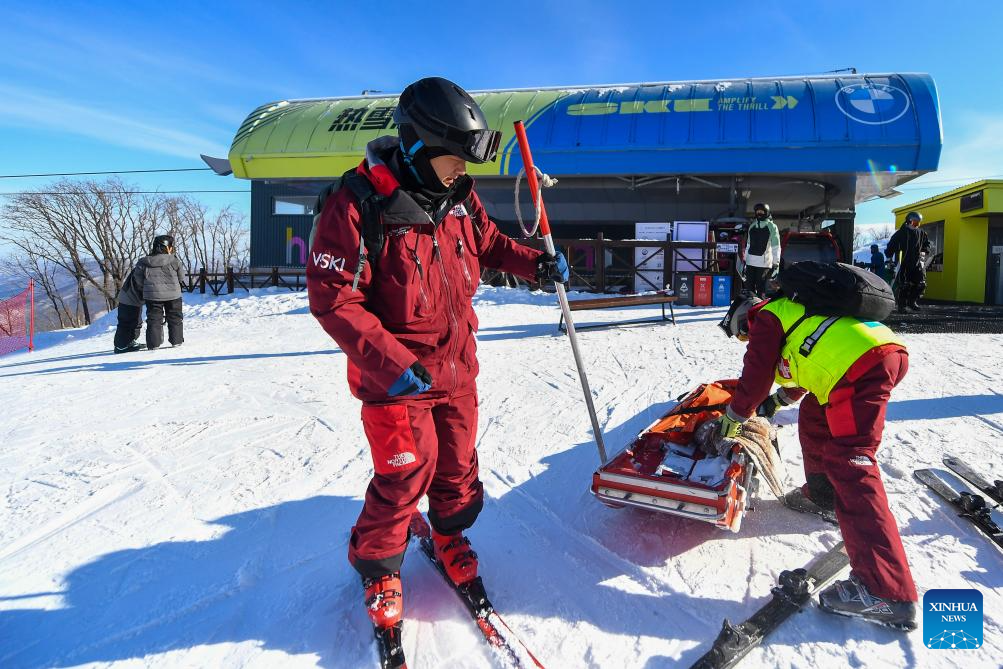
(384,601)
(456,556)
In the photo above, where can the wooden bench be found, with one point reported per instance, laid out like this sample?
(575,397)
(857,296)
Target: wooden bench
(660,298)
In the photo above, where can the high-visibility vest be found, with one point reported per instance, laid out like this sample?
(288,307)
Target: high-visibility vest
(819,349)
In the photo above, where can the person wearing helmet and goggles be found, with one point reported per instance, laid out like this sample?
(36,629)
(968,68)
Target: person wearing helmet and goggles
(762,251)
(914,246)
(404,318)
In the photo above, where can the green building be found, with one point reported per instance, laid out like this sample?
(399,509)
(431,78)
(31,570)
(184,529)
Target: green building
(965,227)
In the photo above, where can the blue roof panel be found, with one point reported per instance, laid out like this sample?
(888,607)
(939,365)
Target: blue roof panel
(854,124)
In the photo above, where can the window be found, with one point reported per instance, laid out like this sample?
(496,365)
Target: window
(935,258)
(294,205)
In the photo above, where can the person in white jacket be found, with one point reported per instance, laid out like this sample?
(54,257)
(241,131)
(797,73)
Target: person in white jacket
(762,251)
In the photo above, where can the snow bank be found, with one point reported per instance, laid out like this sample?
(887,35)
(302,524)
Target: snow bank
(190,507)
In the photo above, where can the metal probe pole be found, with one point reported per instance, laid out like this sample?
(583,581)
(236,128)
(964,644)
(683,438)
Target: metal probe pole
(534,188)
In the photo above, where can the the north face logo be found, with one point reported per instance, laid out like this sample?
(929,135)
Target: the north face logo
(402,460)
(860,461)
(784,368)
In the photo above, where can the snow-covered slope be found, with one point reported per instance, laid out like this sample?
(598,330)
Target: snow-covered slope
(190,507)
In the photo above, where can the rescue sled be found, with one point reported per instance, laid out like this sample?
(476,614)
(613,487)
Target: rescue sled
(664,470)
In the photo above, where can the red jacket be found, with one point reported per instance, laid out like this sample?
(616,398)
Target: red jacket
(416,305)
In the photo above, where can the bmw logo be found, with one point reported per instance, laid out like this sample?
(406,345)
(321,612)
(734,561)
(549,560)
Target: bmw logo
(872,104)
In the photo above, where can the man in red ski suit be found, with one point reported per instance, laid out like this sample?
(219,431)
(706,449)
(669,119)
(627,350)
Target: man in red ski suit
(853,367)
(407,328)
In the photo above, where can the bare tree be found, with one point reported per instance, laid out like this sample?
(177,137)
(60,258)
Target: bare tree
(207,240)
(95,232)
(46,276)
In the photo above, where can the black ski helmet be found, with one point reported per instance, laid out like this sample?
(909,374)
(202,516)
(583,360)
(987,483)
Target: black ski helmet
(762,205)
(444,116)
(736,322)
(914,216)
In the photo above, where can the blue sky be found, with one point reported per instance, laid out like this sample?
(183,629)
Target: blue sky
(89,86)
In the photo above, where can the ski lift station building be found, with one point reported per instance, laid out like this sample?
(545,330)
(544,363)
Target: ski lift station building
(812,147)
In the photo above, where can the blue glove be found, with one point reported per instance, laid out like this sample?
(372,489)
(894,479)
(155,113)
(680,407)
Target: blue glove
(413,381)
(552,268)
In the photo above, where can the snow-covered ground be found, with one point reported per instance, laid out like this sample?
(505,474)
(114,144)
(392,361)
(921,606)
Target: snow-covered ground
(190,507)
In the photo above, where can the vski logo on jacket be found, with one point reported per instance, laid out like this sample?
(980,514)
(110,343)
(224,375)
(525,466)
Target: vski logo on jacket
(402,460)
(459,211)
(327,261)
(872,104)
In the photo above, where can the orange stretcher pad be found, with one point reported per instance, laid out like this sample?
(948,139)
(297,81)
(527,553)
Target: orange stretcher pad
(663,470)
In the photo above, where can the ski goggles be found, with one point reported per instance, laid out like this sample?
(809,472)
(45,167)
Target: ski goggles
(475,146)
(736,322)
(482,145)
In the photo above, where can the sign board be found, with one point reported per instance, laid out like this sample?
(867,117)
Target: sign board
(727,247)
(649,260)
(690,260)
(973,201)
(997,249)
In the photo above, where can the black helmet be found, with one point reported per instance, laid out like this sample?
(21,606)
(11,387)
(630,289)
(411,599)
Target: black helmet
(442,115)
(762,206)
(736,322)
(913,216)
(161,243)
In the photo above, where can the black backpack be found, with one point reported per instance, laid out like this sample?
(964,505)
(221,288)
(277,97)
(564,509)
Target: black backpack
(837,289)
(373,238)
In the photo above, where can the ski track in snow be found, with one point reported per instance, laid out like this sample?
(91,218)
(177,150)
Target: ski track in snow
(191,507)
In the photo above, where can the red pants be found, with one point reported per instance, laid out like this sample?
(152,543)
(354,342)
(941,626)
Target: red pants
(839,442)
(421,447)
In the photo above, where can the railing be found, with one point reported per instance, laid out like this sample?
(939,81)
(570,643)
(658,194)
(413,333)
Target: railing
(619,271)
(227,281)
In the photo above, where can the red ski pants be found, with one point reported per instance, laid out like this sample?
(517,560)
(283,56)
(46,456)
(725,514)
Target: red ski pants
(422,447)
(839,441)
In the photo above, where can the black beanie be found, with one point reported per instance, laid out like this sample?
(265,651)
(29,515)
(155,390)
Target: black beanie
(160,244)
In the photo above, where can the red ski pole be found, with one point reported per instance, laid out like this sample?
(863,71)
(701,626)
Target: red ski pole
(562,296)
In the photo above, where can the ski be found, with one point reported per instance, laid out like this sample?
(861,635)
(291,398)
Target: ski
(971,506)
(388,642)
(993,491)
(509,649)
(792,593)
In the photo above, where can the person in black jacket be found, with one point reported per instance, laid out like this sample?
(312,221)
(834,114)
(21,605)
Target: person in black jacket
(130,315)
(914,245)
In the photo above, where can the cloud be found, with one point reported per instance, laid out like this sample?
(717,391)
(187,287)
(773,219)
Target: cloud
(25,108)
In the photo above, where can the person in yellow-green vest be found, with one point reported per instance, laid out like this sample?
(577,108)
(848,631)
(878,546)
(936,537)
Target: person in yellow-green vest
(845,369)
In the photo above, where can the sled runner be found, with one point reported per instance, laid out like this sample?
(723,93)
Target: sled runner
(664,470)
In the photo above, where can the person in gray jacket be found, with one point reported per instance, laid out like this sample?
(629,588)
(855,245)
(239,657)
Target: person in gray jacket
(156,280)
